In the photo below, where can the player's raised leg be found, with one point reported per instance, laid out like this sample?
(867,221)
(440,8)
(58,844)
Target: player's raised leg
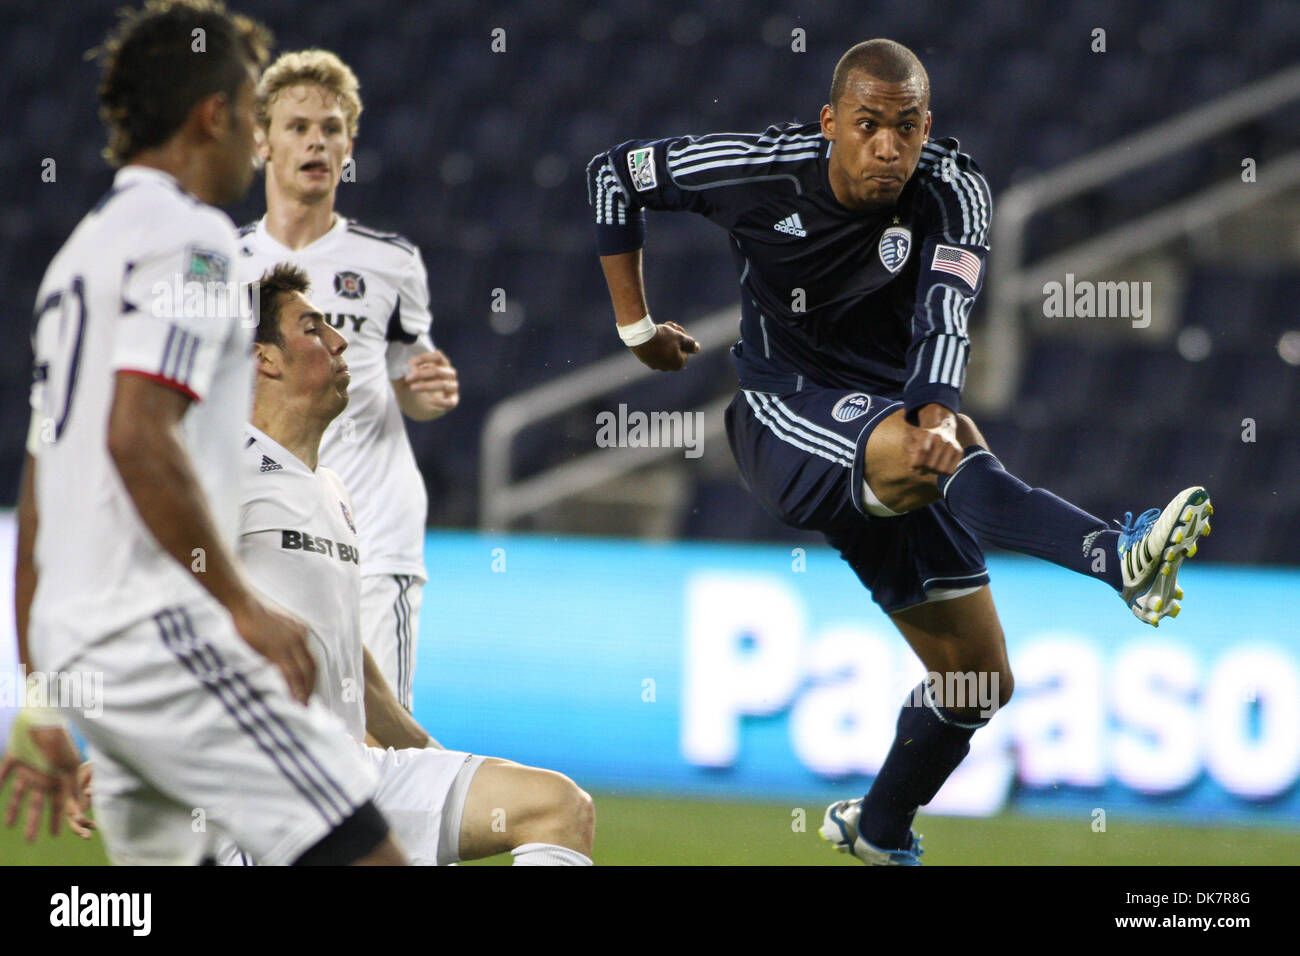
(961,644)
(909,467)
(539,816)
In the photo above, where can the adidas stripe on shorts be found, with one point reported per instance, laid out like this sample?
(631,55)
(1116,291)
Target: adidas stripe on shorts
(200,738)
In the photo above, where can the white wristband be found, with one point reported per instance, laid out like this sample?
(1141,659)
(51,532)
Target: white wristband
(638,333)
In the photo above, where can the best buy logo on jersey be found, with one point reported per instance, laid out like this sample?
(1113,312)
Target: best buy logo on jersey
(318,544)
(641,167)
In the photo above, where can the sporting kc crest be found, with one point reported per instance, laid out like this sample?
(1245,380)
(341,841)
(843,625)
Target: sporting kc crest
(895,244)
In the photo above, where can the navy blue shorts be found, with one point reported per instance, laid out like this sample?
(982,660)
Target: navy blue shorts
(801,454)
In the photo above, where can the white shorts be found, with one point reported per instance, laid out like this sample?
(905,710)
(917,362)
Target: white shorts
(421,794)
(390,619)
(199,738)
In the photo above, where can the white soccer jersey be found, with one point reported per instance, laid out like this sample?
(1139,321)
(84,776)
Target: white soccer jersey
(143,285)
(373,290)
(298,540)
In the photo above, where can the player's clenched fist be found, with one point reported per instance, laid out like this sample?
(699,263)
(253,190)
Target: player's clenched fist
(668,350)
(432,381)
(933,448)
(282,639)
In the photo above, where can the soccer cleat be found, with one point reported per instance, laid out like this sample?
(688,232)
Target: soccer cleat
(1152,548)
(840,828)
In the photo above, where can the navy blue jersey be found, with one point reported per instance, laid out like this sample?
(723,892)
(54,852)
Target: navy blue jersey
(876,302)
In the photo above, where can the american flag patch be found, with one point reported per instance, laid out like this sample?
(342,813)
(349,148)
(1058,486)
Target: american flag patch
(964,265)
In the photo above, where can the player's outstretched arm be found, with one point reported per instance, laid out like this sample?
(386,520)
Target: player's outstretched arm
(663,347)
(145,444)
(387,720)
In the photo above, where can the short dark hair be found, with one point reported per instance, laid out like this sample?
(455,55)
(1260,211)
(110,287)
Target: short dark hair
(280,280)
(883,59)
(160,60)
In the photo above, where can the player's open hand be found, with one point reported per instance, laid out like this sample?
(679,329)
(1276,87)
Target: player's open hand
(54,783)
(932,448)
(282,639)
(668,350)
(77,807)
(433,385)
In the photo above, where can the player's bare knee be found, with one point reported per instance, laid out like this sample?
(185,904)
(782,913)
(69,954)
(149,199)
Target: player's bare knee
(1006,686)
(993,693)
(584,818)
(558,812)
(575,817)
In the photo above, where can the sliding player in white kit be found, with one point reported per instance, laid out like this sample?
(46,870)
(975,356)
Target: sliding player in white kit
(299,542)
(128,506)
(373,290)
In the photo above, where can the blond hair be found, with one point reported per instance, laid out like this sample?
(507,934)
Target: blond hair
(319,67)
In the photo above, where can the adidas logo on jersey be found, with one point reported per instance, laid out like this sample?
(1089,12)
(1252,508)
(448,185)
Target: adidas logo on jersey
(269,465)
(791,225)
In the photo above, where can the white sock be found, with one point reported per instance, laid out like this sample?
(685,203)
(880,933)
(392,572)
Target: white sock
(547,854)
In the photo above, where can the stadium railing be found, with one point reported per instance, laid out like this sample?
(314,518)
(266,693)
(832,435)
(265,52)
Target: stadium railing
(502,499)
(995,371)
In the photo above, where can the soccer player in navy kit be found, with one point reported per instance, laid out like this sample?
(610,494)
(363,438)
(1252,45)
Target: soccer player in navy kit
(860,247)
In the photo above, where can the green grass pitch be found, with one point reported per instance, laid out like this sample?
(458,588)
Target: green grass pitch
(667,831)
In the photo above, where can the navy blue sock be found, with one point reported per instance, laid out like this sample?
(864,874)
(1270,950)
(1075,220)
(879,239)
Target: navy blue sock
(929,744)
(1004,511)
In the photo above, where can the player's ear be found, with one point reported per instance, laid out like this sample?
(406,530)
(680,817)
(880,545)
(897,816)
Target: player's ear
(926,132)
(263,146)
(828,121)
(266,358)
(211,115)
(207,116)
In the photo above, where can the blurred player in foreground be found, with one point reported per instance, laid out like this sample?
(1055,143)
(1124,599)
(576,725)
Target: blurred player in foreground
(128,570)
(861,248)
(373,290)
(299,542)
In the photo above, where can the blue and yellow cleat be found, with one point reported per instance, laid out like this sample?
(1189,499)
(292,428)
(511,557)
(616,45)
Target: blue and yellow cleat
(1152,548)
(840,829)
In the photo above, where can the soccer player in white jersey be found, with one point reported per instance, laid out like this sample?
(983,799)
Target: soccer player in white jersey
(373,290)
(129,508)
(299,542)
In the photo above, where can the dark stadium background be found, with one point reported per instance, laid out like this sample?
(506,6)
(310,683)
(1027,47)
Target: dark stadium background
(479,157)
